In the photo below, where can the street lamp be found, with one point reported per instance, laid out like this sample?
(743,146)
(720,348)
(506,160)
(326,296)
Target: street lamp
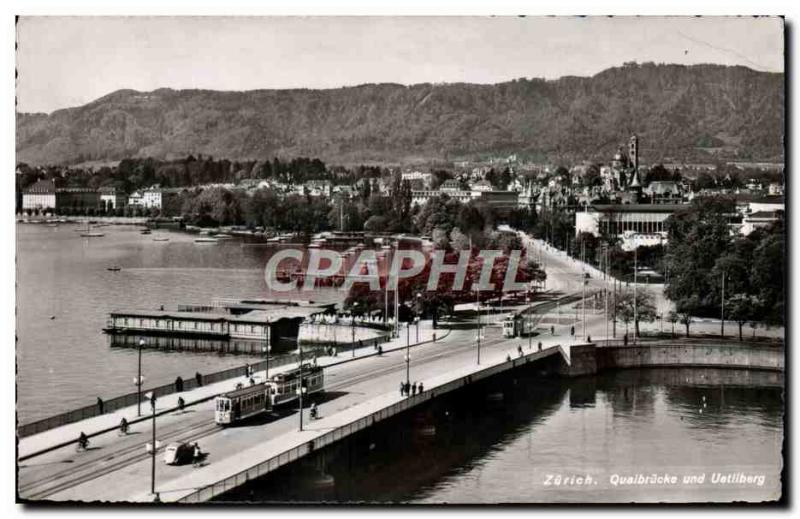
(416,317)
(138,381)
(300,392)
(353,327)
(528,318)
(152,397)
(265,349)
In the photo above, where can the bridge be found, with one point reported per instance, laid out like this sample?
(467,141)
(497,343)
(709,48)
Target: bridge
(361,390)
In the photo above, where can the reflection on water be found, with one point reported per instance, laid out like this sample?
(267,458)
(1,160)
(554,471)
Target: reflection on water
(561,441)
(64,294)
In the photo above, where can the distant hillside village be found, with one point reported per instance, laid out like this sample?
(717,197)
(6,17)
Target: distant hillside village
(622,197)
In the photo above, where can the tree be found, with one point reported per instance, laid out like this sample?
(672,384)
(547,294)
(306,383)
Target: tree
(687,307)
(742,308)
(673,318)
(644,310)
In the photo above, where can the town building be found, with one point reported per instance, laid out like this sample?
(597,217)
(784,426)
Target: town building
(632,223)
(40,196)
(411,176)
(759,220)
(77,198)
(112,198)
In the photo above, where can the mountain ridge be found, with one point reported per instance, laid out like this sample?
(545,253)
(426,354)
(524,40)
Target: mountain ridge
(696,111)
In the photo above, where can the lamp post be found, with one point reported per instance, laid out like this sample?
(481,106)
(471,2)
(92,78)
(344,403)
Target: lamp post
(635,308)
(528,317)
(416,317)
(722,310)
(265,349)
(153,451)
(301,389)
(353,327)
(138,381)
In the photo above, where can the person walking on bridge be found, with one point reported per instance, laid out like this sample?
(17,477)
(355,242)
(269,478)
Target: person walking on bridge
(413,389)
(402,388)
(197,455)
(420,387)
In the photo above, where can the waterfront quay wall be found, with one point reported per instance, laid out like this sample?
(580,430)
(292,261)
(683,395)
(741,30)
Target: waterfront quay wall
(589,359)
(342,425)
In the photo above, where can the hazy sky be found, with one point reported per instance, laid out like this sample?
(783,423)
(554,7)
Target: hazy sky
(69,61)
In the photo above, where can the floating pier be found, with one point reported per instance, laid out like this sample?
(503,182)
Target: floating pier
(274,322)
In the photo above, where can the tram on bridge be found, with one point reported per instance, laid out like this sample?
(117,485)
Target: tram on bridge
(284,386)
(244,402)
(518,325)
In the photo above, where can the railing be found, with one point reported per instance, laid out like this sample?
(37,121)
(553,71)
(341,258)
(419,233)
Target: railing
(186,384)
(208,492)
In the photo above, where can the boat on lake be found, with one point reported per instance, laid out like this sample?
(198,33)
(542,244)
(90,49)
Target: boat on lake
(89,234)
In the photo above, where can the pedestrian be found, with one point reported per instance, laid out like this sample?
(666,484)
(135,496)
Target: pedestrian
(198,378)
(414,388)
(572,330)
(589,338)
(519,350)
(552,330)
(508,357)
(99,405)
(420,387)
(625,339)
(196,455)
(408,388)
(402,388)
(247,370)
(540,345)
(181,404)
(123,426)
(178,385)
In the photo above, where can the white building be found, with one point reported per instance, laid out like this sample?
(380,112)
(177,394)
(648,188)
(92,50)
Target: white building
(136,199)
(111,197)
(481,185)
(425,178)
(617,219)
(776,189)
(759,220)
(41,195)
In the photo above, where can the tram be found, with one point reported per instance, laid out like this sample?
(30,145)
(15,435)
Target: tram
(518,325)
(242,403)
(284,386)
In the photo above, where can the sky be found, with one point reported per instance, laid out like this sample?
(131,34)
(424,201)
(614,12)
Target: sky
(69,61)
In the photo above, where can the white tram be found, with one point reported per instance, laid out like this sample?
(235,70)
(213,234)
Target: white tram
(241,404)
(518,326)
(284,386)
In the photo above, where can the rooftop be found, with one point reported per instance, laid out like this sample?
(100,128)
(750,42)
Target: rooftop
(638,208)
